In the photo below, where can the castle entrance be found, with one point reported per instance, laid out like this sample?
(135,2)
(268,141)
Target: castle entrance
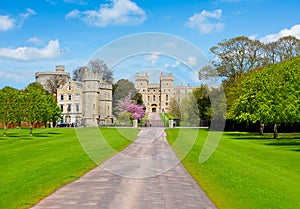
(153,107)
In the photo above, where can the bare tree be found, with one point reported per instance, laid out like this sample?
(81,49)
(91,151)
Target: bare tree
(78,74)
(100,67)
(94,66)
(54,82)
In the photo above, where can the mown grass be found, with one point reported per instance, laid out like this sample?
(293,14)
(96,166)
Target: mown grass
(33,167)
(246,171)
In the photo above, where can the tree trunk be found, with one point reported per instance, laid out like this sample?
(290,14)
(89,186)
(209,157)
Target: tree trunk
(4,129)
(20,132)
(261,128)
(275,131)
(30,129)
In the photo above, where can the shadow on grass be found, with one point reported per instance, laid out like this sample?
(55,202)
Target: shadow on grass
(247,136)
(285,142)
(266,136)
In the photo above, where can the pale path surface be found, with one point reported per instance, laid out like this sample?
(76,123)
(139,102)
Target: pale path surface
(146,175)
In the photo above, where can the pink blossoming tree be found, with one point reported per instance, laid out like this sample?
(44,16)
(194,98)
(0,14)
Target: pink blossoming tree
(130,106)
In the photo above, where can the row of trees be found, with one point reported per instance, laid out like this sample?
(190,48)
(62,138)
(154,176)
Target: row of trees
(270,95)
(32,105)
(261,81)
(195,107)
(237,56)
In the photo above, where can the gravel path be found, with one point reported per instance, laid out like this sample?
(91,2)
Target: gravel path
(145,175)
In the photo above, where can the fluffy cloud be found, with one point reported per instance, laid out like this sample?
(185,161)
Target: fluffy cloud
(153,57)
(52,50)
(293,31)
(35,40)
(118,12)
(8,23)
(206,22)
(192,61)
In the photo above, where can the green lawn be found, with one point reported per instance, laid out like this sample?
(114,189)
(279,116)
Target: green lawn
(33,167)
(246,171)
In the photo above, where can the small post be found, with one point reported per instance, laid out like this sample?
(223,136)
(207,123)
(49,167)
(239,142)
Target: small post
(135,123)
(170,123)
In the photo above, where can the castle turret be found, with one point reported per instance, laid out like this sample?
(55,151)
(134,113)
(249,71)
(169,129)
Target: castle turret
(141,84)
(91,98)
(167,90)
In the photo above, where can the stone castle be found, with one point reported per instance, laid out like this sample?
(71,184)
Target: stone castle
(83,103)
(157,96)
(89,102)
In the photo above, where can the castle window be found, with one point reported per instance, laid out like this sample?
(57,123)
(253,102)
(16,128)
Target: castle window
(167,97)
(153,98)
(148,98)
(77,97)
(69,88)
(77,107)
(61,97)
(62,108)
(69,108)
(167,103)
(70,97)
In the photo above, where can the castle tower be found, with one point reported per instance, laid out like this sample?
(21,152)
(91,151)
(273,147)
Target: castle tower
(166,90)
(141,84)
(90,94)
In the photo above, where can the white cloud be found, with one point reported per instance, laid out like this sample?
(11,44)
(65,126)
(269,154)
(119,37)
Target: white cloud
(252,37)
(192,61)
(206,22)
(152,57)
(8,23)
(171,45)
(293,31)
(35,40)
(52,50)
(118,12)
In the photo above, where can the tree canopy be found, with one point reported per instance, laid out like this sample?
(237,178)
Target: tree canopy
(271,95)
(33,105)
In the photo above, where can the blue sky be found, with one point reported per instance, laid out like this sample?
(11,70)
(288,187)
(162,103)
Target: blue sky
(36,35)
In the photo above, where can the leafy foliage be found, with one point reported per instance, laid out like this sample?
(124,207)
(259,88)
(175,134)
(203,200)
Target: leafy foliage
(33,104)
(271,95)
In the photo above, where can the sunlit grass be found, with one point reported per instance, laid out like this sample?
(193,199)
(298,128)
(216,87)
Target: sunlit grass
(33,167)
(246,171)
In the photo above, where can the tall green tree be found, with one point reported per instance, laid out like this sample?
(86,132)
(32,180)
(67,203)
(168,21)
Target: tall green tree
(270,95)
(121,89)
(39,105)
(174,108)
(9,98)
(203,102)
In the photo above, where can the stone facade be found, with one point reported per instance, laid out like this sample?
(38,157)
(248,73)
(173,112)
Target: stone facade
(156,97)
(86,103)
(47,79)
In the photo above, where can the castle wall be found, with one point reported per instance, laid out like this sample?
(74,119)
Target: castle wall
(157,97)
